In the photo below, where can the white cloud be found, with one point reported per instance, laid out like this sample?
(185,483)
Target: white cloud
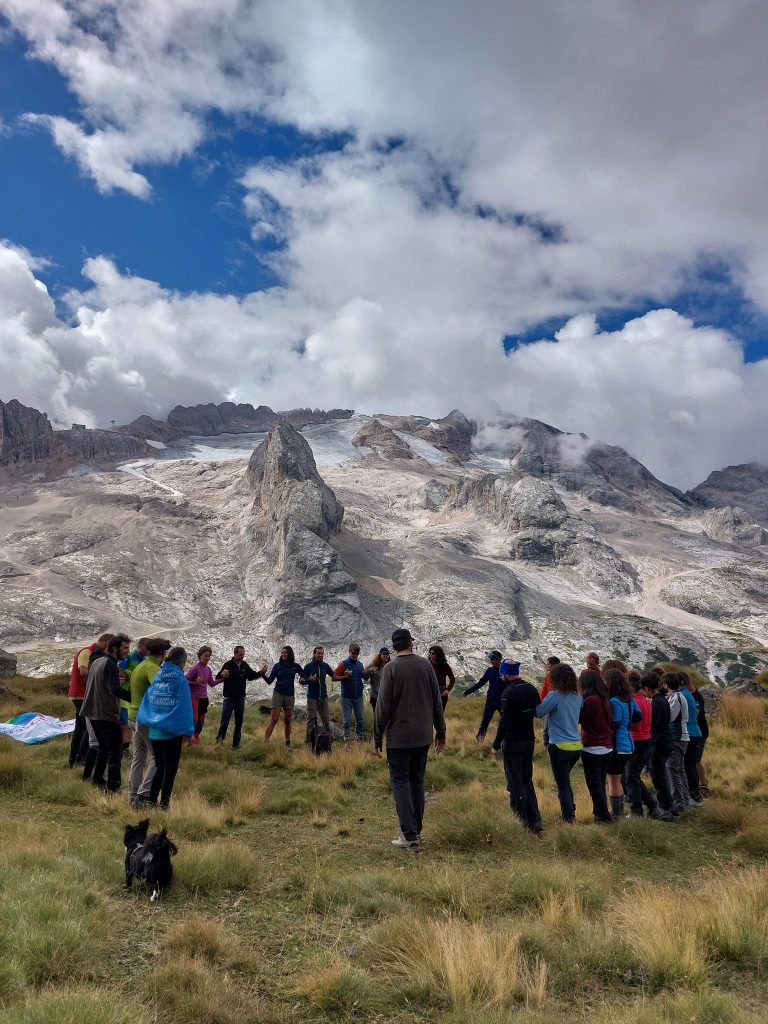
(680,398)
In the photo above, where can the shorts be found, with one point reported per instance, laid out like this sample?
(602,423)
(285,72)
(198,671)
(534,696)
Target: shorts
(283,701)
(616,763)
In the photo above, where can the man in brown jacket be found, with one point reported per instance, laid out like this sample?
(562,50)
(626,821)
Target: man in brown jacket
(407,710)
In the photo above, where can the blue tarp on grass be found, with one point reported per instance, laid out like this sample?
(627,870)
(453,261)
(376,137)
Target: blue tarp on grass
(32,727)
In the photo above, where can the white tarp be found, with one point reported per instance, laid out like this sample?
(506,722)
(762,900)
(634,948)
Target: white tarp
(33,727)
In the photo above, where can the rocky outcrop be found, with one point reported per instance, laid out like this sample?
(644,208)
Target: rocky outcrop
(734,526)
(745,486)
(8,665)
(451,435)
(26,435)
(308,590)
(434,495)
(384,441)
(605,474)
(226,418)
(543,530)
(95,445)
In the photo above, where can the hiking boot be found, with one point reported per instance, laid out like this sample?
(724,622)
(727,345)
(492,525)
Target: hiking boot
(695,803)
(287,744)
(659,814)
(236,746)
(405,844)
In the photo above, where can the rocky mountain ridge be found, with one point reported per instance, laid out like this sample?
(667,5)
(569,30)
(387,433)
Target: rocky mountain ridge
(530,540)
(226,418)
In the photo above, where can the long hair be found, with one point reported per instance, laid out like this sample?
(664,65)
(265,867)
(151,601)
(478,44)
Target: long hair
(614,663)
(291,655)
(617,685)
(442,661)
(593,686)
(564,679)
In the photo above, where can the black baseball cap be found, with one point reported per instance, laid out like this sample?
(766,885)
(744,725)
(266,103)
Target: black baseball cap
(401,636)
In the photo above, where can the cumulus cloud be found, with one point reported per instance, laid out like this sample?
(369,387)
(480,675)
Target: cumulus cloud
(508,163)
(678,397)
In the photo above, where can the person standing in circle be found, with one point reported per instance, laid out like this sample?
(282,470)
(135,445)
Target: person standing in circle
(283,675)
(562,708)
(496,687)
(407,711)
(373,674)
(349,673)
(200,677)
(166,711)
(446,680)
(516,737)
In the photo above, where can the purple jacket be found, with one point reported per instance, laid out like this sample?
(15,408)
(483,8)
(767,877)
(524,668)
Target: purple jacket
(200,678)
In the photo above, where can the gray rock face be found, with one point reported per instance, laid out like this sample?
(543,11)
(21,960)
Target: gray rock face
(92,445)
(8,665)
(283,475)
(451,435)
(734,526)
(544,532)
(308,592)
(605,474)
(434,495)
(745,486)
(225,418)
(26,435)
(384,441)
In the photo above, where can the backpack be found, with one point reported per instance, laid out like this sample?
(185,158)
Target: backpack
(321,741)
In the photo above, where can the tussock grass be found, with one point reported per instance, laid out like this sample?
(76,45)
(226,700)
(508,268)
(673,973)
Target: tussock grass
(470,819)
(724,816)
(76,1006)
(345,761)
(705,1007)
(213,867)
(458,964)
(201,938)
(188,991)
(742,711)
(191,815)
(12,769)
(340,991)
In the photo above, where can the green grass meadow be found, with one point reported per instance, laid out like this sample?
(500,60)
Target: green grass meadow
(290,904)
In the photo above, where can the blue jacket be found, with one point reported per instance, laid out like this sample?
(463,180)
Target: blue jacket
(352,688)
(694,731)
(166,707)
(318,689)
(284,674)
(496,686)
(562,711)
(622,716)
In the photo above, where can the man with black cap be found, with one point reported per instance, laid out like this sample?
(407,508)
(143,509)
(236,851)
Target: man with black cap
(515,736)
(496,687)
(407,710)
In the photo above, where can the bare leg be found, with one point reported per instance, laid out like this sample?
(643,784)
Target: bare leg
(287,716)
(272,722)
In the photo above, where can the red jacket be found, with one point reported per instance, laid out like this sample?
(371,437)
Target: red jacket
(642,730)
(596,726)
(76,678)
(546,686)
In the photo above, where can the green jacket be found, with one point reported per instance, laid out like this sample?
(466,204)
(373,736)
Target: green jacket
(141,679)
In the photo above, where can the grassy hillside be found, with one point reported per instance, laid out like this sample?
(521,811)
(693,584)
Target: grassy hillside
(290,904)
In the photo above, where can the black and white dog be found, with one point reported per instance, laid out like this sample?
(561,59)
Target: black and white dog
(148,858)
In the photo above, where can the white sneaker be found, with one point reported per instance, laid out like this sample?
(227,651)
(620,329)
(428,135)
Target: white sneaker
(405,844)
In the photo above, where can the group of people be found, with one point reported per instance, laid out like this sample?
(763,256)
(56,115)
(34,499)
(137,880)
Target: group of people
(144,701)
(618,724)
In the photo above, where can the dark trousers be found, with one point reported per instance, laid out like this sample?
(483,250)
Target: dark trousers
(110,737)
(562,762)
(691,760)
(406,775)
(78,746)
(167,756)
(595,766)
(657,762)
(200,709)
(490,709)
(518,768)
(638,794)
(232,705)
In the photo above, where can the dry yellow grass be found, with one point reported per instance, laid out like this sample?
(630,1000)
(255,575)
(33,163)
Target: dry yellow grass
(741,711)
(459,964)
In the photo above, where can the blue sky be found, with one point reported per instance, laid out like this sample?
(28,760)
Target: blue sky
(316,196)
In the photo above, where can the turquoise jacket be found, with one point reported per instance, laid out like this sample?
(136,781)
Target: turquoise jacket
(166,708)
